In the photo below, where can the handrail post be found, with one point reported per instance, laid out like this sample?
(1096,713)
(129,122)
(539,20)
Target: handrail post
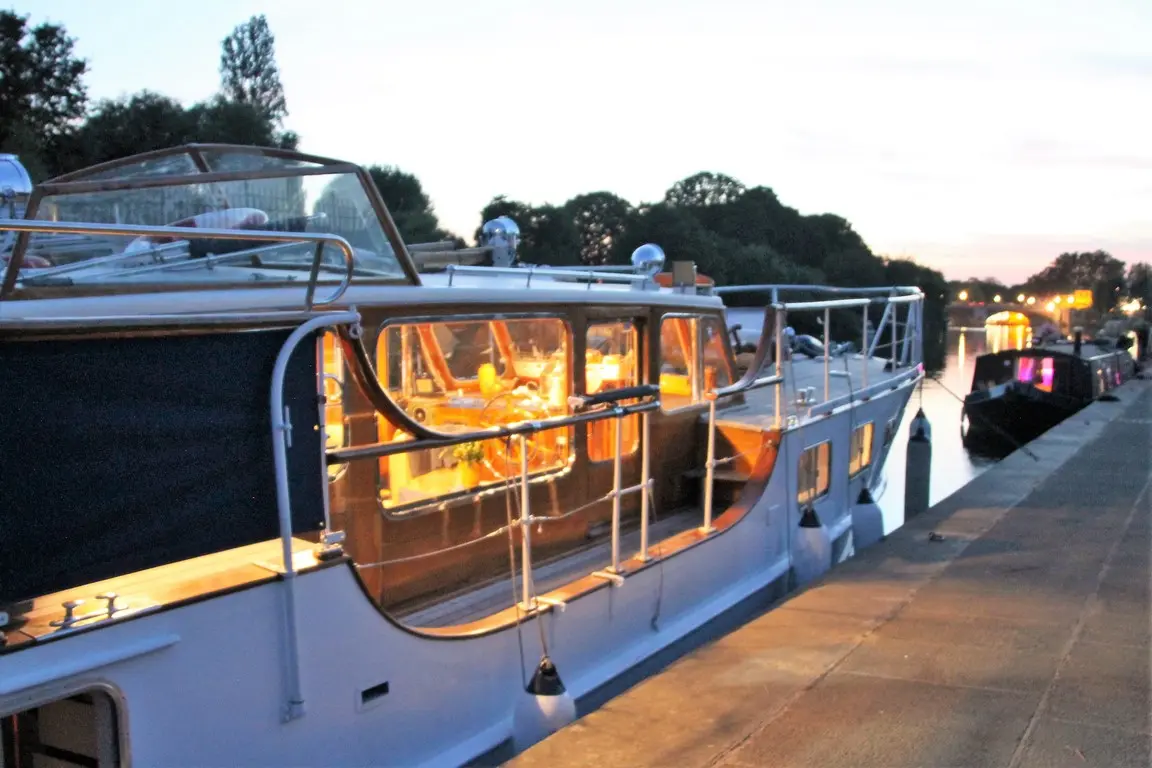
(827,355)
(879,332)
(864,349)
(781,316)
(895,334)
(710,464)
(281,441)
(646,480)
(529,602)
(617,484)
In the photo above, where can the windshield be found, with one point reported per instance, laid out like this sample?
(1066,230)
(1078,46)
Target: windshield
(311,202)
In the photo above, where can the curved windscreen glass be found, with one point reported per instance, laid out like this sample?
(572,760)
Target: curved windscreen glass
(334,203)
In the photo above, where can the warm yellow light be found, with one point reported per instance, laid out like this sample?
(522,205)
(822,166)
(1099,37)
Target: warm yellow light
(1131,307)
(996,298)
(1020,298)
(1031,300)
(1058,299)
(1051,306)
(963,295)
(1071,299)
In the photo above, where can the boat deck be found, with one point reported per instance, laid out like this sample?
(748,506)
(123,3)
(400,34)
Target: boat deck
(847,377)
(480,602)
(1018,636)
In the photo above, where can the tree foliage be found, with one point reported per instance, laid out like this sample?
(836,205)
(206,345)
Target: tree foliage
(42,93)
(248,71)
(409,205)
(600,219)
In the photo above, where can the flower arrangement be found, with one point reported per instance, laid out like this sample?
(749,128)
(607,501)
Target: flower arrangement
(469,453)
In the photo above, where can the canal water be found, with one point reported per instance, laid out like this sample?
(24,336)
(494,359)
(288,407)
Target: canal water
(942,401)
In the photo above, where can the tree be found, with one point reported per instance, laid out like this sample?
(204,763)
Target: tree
(1096,270)
(410,207)
(248,71)
(42,93)
(600,218)
(1140,282)
(547,234)
(147,120)
(704,189)
(120,127)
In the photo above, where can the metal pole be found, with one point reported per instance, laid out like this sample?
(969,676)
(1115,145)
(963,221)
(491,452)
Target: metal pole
(646,481)
(710,465)
(780,318)
(525,528)
(827,355)
(617,484)
(864,349)
(895,333)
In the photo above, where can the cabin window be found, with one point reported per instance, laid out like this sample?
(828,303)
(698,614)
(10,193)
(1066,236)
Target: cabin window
(464,376)
(717,372)
(610,362)
(335,421)
(693,360)
(1040,372)
(860,451)
(815,472)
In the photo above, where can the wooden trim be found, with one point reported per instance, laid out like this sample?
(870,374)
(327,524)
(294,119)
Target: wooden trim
(239,149)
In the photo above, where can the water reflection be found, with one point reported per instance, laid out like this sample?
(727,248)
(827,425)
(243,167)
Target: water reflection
(942,400)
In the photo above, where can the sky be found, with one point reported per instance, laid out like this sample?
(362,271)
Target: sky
(982,138)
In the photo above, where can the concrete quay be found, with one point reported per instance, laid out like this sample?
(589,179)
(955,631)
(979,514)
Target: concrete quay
(1021,638)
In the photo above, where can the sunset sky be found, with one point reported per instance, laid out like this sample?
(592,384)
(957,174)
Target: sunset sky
(982,137)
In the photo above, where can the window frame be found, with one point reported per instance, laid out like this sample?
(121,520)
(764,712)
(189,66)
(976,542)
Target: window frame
(697,399)
(638,375)
(817,495)
(864,467)
(435,503)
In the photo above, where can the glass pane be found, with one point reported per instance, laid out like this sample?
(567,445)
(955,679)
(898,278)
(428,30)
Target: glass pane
(678,382)
(459,377)
(335,423)
(717,372)
(327,203)
(860,456)
(815,469)
(610,363)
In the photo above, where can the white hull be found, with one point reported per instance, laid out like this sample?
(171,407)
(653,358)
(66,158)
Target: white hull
(203,684)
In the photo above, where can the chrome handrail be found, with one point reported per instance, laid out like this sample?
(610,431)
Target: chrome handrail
(185,233)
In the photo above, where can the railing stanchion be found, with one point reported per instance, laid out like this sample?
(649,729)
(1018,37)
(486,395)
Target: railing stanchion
(781,315)
(827,355)
(864,349)
(895,334)
(525,529)
(710,464)
(617,484)
(646,481)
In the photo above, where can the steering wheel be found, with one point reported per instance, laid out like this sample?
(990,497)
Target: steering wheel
(507,452)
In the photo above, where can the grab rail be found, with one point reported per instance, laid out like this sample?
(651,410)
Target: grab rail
(26,227)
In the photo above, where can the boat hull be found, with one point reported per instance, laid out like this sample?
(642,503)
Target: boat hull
(217,666)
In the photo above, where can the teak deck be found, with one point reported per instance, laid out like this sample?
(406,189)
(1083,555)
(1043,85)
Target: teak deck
(155,589)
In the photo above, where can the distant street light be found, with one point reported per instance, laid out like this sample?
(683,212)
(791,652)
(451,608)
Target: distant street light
(1071,299)
(963,295)
(996,298)
(1051,306)
(1058,299)
(1020,299)
(1031,300)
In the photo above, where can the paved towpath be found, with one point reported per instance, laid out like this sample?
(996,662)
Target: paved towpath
(1022,639)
